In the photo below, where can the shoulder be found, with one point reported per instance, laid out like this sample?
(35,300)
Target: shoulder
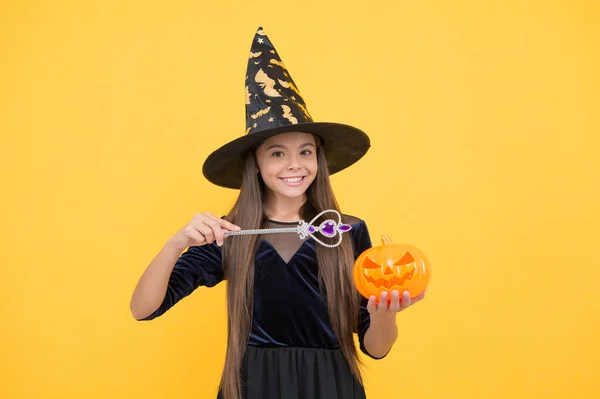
(359,226)
(352,220)
(359,234)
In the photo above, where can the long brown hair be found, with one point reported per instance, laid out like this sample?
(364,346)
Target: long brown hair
(335,271)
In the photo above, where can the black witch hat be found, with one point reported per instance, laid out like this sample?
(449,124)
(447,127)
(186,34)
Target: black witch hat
(274,105)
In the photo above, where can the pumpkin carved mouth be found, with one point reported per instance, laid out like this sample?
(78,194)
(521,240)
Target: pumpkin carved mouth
(389,283)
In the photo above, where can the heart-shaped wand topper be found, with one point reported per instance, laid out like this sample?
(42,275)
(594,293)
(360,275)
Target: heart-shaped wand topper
(328,228)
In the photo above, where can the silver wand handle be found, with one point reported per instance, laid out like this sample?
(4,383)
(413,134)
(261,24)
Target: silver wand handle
(262,231)
(329,228)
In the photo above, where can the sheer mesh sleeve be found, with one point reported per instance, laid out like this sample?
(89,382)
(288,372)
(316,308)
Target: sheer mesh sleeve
(198,266)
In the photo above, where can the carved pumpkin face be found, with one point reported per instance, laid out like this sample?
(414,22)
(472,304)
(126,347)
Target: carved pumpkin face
(391,267)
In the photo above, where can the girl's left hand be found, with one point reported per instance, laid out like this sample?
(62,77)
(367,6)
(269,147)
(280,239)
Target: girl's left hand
(384,312)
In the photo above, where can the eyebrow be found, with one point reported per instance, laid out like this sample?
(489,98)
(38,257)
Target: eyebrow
(285,148)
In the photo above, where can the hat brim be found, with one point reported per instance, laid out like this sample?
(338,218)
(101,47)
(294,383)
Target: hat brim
(344,145)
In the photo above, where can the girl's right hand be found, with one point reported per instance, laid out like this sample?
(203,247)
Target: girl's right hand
(204,228)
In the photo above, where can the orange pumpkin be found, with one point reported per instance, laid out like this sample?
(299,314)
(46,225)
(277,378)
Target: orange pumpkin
(391,267)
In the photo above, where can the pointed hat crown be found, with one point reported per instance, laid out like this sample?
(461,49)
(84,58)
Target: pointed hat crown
(272,96)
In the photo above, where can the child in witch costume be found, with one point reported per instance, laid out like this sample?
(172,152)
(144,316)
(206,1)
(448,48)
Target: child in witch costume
(291,301)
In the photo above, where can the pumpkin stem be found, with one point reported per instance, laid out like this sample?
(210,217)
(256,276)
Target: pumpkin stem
(385,240)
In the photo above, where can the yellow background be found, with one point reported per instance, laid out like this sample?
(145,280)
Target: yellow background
(484,119)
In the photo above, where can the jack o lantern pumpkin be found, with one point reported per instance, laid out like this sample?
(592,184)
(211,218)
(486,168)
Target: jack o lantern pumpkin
(391,267)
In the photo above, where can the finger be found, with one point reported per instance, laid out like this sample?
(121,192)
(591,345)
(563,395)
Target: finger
(395,305)
(217,232)
(197,238)
(219,226)
(205,230)
(223,223)
(383,302)
(192,236)
(371,305)
(406,301)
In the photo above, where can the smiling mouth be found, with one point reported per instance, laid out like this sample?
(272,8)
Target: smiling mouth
(293,181)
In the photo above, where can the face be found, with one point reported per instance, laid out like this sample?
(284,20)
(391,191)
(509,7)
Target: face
(288,163)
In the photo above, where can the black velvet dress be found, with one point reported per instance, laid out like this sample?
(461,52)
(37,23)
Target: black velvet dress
(292,350)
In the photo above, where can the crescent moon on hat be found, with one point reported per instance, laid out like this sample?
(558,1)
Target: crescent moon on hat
(266,83)
(261,32)
(254,55)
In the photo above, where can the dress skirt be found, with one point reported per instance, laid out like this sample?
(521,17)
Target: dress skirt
(297,373)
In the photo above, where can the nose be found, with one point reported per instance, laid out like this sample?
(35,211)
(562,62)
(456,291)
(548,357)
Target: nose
(294,163)
(388,270)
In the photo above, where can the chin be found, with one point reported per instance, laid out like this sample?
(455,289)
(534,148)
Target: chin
(291,193)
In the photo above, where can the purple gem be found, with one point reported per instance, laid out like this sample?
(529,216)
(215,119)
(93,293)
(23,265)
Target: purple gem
(311,229)
(328,228)
(344,227)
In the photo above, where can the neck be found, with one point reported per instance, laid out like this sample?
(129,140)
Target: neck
(283,209)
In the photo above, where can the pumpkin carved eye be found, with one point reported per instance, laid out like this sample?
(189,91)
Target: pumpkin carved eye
(369,264)
(407,259)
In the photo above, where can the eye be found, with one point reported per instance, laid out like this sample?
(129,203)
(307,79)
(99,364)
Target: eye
(277,154)
(306,152)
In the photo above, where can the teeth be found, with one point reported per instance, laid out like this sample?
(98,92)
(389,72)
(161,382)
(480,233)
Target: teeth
(293,180)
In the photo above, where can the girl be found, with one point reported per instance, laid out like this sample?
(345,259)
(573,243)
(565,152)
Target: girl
(292,305)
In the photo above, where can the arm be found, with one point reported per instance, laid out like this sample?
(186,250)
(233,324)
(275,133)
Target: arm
(375,336)
(382,331)
(152,287)
(171,275)
(377,329)
(165,282)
